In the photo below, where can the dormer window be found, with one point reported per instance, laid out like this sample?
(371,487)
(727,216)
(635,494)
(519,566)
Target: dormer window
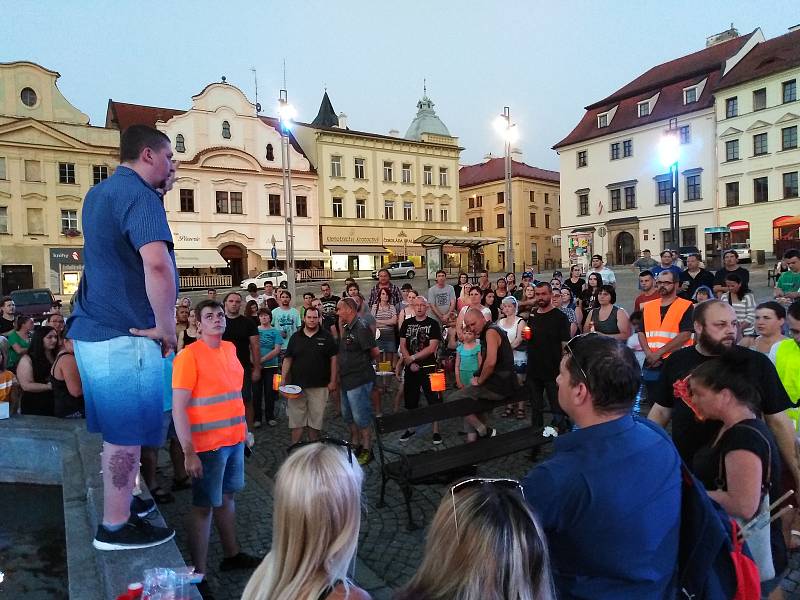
(226,130)
(643,108)
(180,146)
(602,120)
(690,95)
(270,152)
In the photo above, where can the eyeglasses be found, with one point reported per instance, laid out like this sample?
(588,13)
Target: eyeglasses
(325,440)
(665,283)
(568,349)
(510,484)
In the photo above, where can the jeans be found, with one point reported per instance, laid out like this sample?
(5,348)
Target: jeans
(412,382)
(540,387)
(263,392)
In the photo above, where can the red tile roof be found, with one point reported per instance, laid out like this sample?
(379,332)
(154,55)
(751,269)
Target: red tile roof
(669,78)
(772,56)
(494,170)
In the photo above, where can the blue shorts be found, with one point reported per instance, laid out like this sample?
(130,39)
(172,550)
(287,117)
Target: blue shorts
(357,405)
(223,473)
(123,389)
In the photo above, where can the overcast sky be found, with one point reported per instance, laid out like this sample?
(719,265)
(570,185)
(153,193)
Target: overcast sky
(546,60)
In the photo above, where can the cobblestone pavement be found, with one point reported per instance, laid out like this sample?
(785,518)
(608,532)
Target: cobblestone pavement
(388,553)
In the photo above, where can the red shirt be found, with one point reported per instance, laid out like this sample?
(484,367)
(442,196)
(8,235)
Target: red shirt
(642,298)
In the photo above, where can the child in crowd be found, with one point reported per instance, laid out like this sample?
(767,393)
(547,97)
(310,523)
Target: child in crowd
(468,359)
(702,294)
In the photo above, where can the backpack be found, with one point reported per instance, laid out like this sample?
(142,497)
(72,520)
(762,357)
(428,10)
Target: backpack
(712,562)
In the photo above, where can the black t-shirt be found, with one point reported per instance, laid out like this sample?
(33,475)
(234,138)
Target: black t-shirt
(548,330)
(355,354)
(329,310)
(575,288)
(719,276)
(688,433)
(703,277)
(311,358)
(6,326)
(418,336)
(239,330)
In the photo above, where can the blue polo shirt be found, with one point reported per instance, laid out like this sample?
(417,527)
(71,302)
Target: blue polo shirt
(676,271)
(609,500)
(120,215)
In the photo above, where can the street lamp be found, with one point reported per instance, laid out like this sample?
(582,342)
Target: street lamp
(509,132)
(669,152)
(286,115)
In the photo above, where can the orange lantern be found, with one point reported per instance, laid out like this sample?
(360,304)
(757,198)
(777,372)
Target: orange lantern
(276,381)
(438,383)
(526,333)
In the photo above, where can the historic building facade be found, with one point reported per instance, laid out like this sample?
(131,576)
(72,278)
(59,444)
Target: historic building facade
(49,158)
(227,203)
(378,193)
(535,213)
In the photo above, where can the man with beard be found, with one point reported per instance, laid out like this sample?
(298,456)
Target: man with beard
(549,334)
(715,326)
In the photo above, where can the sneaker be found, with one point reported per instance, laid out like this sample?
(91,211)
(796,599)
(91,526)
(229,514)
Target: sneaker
(141,507)
(240,561)
(251,440)
(490,432)
(437,439)
(136,533)
(272,422)
(256,424)
(365,457)
(409,433)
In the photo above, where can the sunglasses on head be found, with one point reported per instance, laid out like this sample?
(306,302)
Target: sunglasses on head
(509,484)
(568,349)
(325,440)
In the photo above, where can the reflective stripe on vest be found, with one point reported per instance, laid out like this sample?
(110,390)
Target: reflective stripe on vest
(660,333)
(787,363)
(215,399)
(199,427)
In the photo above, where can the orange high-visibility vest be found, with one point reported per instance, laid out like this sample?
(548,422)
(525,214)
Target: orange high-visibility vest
(216,409)
(659,333)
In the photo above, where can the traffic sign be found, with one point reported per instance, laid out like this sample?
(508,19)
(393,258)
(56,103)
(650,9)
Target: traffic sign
(274,253)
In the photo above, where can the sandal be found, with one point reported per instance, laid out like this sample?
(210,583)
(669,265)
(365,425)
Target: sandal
(520,414)
(508,412)
(161,497)
(181,484)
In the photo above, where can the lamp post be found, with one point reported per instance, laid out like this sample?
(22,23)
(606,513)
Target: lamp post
(669,152)
(509,133)
(286,114)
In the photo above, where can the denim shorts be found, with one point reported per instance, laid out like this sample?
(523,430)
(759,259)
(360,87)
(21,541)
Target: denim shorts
(223,473)
(123,389)
(357,405)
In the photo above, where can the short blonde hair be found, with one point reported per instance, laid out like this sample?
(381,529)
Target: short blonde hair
(315,525)
(499,553)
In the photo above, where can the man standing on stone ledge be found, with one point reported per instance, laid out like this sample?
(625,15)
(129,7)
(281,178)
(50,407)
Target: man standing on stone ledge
(120,339)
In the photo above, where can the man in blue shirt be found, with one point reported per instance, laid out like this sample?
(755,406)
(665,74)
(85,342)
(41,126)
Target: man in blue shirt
(123,323)
(609,498)
(666,265)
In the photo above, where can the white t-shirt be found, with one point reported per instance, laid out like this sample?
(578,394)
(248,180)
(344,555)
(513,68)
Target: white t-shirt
(441,297)
(607,275)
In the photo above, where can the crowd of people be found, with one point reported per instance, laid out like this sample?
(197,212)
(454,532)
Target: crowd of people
(600,518)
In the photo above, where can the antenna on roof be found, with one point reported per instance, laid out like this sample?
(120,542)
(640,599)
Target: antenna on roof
(284,73)
(255,79)
(424,87)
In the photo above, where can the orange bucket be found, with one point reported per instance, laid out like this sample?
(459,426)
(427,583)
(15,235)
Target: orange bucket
(438,382)
(276,381)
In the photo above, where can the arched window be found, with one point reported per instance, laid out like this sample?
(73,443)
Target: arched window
(270,152)
(179,143)
(226,130)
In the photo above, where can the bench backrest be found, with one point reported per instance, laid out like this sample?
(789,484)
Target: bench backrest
(437,412)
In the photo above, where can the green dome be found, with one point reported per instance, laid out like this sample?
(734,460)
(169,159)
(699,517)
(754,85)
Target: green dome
(426,121)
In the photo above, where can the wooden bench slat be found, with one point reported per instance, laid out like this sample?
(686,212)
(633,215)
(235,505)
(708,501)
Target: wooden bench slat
(436,412)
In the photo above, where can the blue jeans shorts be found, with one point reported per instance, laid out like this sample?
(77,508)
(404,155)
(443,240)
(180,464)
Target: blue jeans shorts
(357,405)
(223,473)
(123,389)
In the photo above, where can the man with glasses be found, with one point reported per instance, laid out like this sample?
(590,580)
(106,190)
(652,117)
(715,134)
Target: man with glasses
(667,327)
(609,498)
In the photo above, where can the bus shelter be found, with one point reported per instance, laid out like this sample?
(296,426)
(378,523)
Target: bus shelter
(436,246)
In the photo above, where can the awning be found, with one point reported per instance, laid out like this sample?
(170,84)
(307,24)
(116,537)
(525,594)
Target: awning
(786,221)
(298,254)
(188,259)
(354,250)
(583,230)
(461,241)
(739,226)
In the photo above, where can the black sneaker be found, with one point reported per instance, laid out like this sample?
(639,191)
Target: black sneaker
(240,561)
(490,432)
(136,533)
(205,590)
(141,507)
(437,439)
(409,433)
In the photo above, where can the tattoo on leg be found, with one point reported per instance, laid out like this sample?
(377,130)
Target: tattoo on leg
(121,465)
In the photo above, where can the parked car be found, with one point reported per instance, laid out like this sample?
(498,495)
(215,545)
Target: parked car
(278,279)
(743,250)
(403,268)
(36,303)
(685,251)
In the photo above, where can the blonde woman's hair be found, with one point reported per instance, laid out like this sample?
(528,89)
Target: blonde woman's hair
(499,552)
(315,526)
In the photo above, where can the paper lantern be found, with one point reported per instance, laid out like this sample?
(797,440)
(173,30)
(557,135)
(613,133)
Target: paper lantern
(438,383)
(276,381)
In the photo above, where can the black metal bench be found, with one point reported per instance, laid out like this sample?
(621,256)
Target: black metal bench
(437,466)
